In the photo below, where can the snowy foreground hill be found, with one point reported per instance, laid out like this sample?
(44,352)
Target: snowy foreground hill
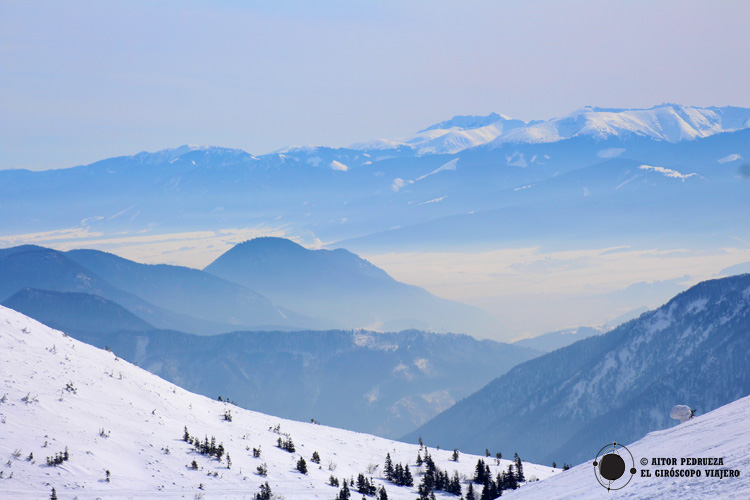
(60,394)
(723,433)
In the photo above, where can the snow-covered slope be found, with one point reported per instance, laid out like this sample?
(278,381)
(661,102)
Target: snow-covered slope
(694,349)
(723,433)
(667,122)
(450,136)
(58,393)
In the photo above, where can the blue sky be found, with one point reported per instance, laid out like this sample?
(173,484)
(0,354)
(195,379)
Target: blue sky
(82,81)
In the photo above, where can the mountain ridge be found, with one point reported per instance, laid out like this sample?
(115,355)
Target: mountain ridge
(694,349)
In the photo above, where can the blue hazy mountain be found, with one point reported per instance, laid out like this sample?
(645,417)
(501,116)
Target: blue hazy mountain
(492,181)
(68,311)
(186,299)
(343,287)
(190,291)
(562,406)
(555,340)
(388,383)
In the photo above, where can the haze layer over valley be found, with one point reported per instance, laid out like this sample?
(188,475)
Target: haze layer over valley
(585,217)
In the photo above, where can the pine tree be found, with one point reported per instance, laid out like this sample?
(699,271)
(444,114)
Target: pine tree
(519,469)
(54,495)
(302,465)
(264,493)
(455,484)
(470,493)
(419,459)
(186,436)
(388,469)
(344,494)
(408,479)
(455,455)
(315,458)
(479,472)
(382,494)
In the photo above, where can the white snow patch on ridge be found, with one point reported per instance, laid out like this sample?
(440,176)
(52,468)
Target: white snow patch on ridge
(337,165)
(729,158)
(668,172)
(398,183)
(610,152)
(451,165)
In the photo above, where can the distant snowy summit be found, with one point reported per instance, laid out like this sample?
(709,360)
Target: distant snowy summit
(666,122)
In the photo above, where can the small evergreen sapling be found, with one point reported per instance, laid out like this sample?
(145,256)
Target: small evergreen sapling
(264,493)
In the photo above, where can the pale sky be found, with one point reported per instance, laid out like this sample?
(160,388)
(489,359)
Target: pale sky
(83,81)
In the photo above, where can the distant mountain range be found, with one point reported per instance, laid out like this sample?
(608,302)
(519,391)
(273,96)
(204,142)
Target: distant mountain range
(331,289)
(169,297)
(555,340)
(75,311)
(595,177)
(342,287)
(388,383)
(618,386)
(667,122)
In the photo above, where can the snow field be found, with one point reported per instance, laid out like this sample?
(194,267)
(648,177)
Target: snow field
(123,419)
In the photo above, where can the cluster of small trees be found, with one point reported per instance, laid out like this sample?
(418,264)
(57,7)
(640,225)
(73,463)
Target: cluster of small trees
(204,447)
(435,479)
(397,474)
(227,400)
(286,444)
(227,415)
(493,488)
(59,458)
(365,486)
(264,493)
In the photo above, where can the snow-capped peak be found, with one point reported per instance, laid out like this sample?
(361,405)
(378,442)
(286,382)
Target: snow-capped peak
(466,122)
(172,154)
(666,122)
(448,137)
